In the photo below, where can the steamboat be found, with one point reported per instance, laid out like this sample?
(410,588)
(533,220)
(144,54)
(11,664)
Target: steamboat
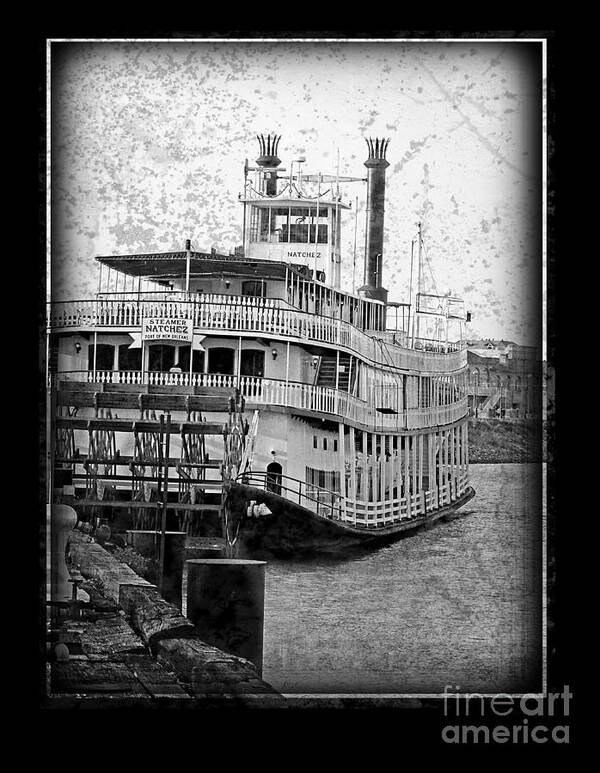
(249,397)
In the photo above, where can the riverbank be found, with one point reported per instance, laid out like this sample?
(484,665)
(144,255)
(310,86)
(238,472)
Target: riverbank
(497,441)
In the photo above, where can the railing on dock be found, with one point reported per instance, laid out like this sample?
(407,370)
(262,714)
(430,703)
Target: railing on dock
(291,394)
(265,316)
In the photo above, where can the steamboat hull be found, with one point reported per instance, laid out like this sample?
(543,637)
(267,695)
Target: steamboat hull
(292,529)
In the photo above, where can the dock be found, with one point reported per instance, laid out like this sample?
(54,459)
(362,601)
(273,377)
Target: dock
(127,647)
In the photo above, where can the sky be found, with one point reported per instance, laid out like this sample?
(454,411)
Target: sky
(149,141)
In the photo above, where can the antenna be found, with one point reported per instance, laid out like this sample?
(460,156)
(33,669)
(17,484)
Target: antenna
(354,253)
(245,194)
(317,223)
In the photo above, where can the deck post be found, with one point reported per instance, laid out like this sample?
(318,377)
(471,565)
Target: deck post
(352,457)
(287,370)
(413,472)
(420,479)
(383,475)
(375,461)
(342,468)
(95,351)
(407,474)
(445,436)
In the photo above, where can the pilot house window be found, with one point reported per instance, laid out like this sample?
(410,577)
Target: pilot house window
(299,225)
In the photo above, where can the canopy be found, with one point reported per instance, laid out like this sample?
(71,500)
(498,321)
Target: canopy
(172,265)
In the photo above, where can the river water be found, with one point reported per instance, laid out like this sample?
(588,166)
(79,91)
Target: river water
(457,605)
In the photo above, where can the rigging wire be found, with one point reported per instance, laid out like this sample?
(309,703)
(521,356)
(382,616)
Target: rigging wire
(429,266)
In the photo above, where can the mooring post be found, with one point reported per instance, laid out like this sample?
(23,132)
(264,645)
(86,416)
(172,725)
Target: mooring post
(226,602)
(63,521)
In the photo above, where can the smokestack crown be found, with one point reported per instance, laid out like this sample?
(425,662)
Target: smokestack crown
(377,151)
(268,150)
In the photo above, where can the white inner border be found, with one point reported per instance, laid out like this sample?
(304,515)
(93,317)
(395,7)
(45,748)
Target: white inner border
(544,52)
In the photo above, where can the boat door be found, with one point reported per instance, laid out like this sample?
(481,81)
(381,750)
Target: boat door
(273,482)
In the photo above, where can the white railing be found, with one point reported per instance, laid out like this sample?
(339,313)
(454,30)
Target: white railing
(266,317)
(334,506)
(291,394)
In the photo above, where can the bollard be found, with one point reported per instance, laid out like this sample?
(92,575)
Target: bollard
(206,551)
(226,602)
(147,543)
(64,520)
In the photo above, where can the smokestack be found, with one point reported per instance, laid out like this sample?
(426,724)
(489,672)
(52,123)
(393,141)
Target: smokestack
(376,165)
(269,161)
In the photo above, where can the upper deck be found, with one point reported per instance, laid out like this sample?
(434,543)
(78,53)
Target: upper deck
(251,316)
(283,283)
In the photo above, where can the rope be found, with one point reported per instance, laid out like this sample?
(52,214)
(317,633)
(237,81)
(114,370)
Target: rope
(312,198)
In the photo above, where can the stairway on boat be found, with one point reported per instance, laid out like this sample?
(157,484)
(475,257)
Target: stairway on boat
(326,376)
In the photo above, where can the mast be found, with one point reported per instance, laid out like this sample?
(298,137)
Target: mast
(188,258)
(411,327)
(354,252)
(419,273)
(245,206)
(317,223)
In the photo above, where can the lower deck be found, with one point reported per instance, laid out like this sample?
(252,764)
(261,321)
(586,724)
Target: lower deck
(368,480)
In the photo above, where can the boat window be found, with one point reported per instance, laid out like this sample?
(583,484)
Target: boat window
(255,287)
(259,224)
(252,363)
(197,360)
(220,360)
(289,224)
(325,479)
(304,224)
(53,358)
(324,444)
(280,221)
(161,357)
(105,357)
(129,359)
